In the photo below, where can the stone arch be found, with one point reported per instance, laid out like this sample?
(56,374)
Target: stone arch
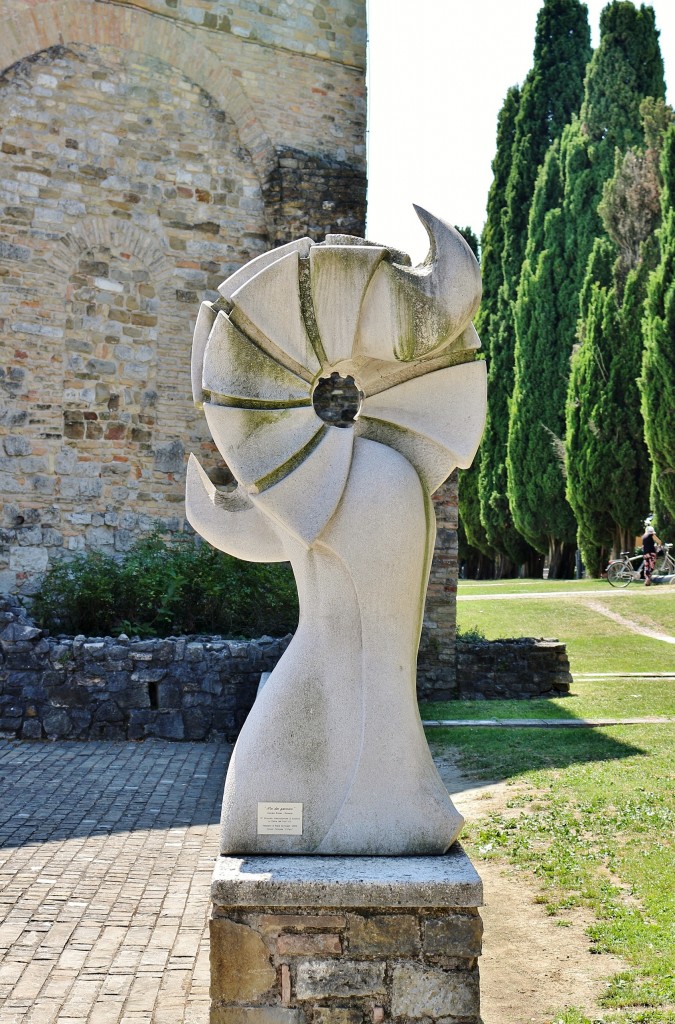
(93,232)
(62,22)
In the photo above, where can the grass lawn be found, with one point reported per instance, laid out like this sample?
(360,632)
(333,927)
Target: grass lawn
(594,643)
(529,586)
(595,818)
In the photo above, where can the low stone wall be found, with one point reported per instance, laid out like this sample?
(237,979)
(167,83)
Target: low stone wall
(178,688)
(514,668)
(198,688)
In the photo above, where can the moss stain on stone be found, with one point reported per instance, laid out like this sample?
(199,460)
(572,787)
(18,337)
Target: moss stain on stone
(282,471)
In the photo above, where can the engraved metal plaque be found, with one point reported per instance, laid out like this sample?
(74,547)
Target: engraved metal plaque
(279,819)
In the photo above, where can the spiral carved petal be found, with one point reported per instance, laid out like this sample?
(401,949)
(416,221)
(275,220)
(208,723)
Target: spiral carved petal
(436,421)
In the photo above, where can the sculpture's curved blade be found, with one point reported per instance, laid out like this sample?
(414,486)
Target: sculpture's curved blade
(205,320)
(340,275)
(262,443)
(305,500)
(256,307)
(235,368)
(436,421)
(230,522)
(410,313)
(254,266)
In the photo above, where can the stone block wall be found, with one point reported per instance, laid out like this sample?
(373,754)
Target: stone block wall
(147,151)
(178,688)
(364,965)
(517,668)
(196,688)
(436,670)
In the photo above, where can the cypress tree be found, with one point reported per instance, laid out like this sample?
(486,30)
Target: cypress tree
(626,451)
(626,67)
(657,382)
(535,450)
(552,91)
(492,241)
(608,463)
(492,238)
(586,405)
(611,431)
(474,550)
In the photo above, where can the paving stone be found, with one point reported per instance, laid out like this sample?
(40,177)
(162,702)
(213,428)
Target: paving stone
(106,855)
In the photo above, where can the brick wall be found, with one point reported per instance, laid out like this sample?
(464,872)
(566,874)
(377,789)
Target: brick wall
(147,150)
(436,669)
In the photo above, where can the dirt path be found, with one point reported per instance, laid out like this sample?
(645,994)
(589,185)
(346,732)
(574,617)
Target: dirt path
(634,627)
(531,967)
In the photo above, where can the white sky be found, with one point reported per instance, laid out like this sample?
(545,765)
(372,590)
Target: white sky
(438,71)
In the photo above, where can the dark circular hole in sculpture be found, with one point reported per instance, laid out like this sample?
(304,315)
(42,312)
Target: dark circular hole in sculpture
(337,400)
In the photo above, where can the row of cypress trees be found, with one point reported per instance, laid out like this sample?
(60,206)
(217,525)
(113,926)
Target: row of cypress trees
(569,259)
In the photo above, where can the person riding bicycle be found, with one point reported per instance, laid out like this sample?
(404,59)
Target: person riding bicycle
(650,542)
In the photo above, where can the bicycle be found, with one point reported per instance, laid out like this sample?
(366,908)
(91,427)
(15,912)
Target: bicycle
(621,571)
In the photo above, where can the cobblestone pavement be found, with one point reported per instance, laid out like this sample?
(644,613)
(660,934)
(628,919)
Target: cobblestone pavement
(106,854)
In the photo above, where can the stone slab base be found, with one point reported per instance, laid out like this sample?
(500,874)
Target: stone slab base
(345,940)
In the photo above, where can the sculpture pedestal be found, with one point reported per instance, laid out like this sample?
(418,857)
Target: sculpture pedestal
(345,940)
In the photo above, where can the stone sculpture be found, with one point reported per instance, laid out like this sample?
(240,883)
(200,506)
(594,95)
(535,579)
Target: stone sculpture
(341,387)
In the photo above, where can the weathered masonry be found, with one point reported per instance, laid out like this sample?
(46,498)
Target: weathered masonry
(148,149)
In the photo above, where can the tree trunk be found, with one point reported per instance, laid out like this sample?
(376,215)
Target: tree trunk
(560,560)
(505,569)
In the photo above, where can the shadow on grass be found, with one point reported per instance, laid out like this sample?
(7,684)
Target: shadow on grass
(535,707)
(54,792)
(503,753)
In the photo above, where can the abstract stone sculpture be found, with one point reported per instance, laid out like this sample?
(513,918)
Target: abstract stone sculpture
(341,387)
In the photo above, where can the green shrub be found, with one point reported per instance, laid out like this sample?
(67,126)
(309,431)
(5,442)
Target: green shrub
(79,595)
(167,587)
(472,635)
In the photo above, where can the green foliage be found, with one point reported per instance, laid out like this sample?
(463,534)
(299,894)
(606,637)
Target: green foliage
(495,511)
(626,67)
(492,238)
(630,209)
(618,462)
(657,381)
(552,91)
(80,595)
(588,473)
(167,588)
(535,451)
(471,635)
(492,243)
(471,238)
(623,428)
(563,227)
(469,510)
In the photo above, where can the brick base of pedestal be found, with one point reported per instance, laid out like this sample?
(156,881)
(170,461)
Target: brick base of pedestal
(345,940)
